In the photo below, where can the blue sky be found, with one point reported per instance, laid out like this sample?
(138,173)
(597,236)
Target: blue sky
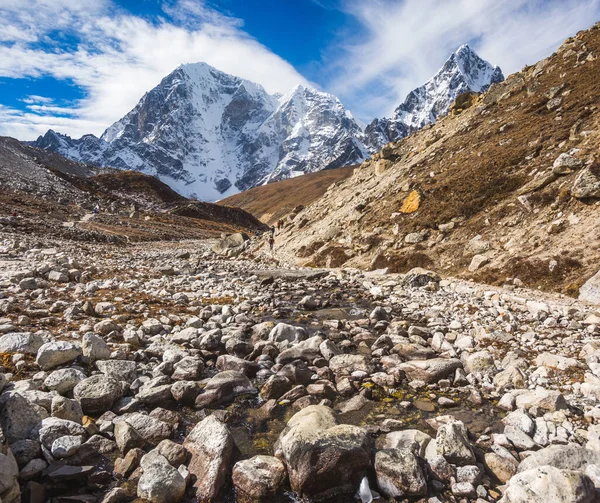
(78,66)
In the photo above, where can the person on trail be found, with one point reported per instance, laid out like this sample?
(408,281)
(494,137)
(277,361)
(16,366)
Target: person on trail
(97,209)
(271,242)
(273,231)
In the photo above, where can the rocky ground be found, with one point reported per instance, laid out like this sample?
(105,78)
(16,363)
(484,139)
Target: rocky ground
(166,372)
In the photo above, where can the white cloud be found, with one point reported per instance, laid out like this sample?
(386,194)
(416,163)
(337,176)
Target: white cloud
(119,57)
(404,42)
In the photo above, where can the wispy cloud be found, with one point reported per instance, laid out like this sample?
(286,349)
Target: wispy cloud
(117,57)
(402,43)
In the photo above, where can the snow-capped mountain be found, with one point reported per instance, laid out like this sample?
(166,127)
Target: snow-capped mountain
(210,135)
(464,71)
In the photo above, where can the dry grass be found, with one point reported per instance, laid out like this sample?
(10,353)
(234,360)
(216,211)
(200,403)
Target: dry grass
(271,202)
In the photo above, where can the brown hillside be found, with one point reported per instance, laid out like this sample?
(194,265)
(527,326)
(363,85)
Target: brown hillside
(271,202)
(488,170)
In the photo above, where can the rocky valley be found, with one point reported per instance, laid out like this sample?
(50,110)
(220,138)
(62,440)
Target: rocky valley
(421,327)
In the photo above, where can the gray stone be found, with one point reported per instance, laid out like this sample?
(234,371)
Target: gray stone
(160,482)
(64,380)
(399,474)
(259,477)
(94,347)
(97,394)
(53,354)
(452,442)
(211,447)
(549,484)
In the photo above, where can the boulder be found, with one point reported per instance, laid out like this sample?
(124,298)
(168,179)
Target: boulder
(21,342)
(224,387)
(548,400)
(284,332)
(549,484)
(97,394)
(151,429)
(121,370)
(399,473)
(452,442)
(259,477)
(590,291)
(18,417)
(587,184)
(53,354)
(64,380)
(211,447)
(94,348)
(565,457)
(414,440)
(430,371)
(160,482)
(346,364)
(234,243)
(323,459)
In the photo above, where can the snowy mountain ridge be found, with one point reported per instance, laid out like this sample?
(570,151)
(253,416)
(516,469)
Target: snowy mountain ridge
(209,134)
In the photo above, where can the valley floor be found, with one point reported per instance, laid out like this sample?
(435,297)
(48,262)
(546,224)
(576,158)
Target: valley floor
(165,372)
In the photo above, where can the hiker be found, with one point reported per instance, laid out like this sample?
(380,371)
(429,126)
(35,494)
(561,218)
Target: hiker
(271,242)
(96,209)
(273,231)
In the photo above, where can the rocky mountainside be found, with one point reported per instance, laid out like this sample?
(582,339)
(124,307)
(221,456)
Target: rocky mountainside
(52,195)
(210,135)
(504,189)
(464,72)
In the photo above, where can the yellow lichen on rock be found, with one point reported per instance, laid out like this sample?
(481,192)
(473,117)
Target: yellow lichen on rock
(411,203)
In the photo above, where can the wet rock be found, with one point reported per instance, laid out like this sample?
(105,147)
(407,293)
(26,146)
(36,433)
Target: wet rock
(259,477)
(399,474)
(211,447)
(323,458)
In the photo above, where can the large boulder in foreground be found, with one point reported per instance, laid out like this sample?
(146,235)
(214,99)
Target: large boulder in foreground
(323,458)
(547,484)
(212,448)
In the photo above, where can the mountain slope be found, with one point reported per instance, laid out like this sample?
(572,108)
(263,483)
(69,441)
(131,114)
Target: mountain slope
(274,201)
(210,135)
(55,196)
(506,188)
(463,72)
